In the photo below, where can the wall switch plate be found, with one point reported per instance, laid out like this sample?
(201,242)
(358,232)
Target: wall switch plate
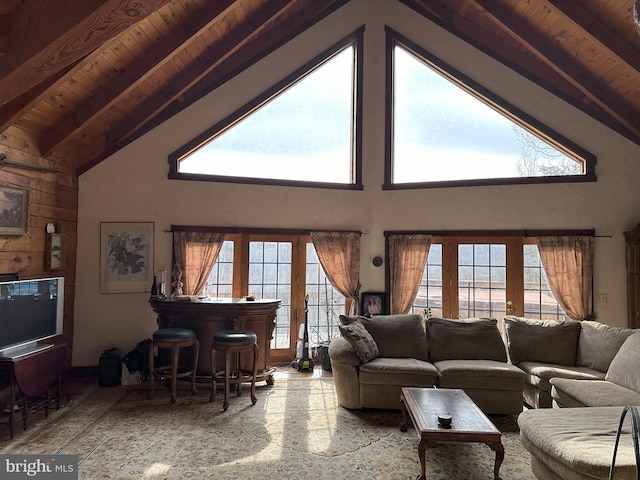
(601,298)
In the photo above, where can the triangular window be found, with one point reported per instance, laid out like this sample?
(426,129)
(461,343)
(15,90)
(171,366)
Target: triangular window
(447,129)
(300,132)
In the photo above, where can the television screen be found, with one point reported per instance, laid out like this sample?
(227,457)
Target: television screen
(30,311)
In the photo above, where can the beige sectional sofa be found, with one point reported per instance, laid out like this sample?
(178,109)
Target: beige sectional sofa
(377,356)
(568,362)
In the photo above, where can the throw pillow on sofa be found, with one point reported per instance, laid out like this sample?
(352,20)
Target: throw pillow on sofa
(624,366)
(545,341)
(465,339)
(599,343)
(360,340)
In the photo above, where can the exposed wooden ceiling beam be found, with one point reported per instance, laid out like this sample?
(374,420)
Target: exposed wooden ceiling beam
(186,78)
(593,28)
(135,74)
(53,35)
(14,109)
(592,87)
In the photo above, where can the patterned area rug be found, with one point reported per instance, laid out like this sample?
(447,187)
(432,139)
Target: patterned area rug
(295,430)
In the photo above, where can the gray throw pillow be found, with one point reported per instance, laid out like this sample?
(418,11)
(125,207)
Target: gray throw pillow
(599,343)
(545,341)
(624,366)
(465,339)
(345,320)
(360,340)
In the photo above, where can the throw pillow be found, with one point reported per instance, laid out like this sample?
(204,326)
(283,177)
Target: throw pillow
(398,336)
(624,366)
(465,339)
(545,341)
(599,343)
(344,320)
(360,340)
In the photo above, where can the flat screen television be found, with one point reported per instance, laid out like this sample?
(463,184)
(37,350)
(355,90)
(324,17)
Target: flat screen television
(30,311)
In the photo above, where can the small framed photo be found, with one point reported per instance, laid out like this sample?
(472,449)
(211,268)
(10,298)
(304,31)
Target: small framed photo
(126,257)
(14,211)
(373,303)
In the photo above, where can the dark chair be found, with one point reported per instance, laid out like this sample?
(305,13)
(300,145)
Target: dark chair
(234,342)
(174,339)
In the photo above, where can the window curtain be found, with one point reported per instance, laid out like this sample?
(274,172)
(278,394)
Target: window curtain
(339,255)
(568,263)
(195,253)
(407,259)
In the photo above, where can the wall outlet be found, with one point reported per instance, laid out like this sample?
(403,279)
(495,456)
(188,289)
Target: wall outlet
(601,298)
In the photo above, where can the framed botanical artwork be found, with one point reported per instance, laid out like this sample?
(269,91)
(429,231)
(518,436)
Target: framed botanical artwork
(126,257)
(373,303)
(14,211)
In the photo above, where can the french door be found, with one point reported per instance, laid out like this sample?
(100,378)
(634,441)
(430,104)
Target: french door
(485,277)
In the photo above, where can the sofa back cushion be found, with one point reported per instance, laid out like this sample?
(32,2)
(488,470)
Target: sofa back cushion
(398,336)
(599,343)
(545,341)
(467,339)
(624,366)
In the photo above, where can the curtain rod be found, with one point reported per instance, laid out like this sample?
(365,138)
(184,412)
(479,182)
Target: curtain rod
(496,233)
(285,231)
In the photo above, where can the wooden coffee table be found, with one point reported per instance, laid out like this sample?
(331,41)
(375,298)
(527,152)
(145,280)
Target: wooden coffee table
(469,423)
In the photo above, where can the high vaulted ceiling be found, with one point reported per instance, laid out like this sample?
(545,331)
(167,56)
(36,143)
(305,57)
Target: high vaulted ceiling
(84,78)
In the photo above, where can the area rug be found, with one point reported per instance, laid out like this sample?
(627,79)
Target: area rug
(295,430)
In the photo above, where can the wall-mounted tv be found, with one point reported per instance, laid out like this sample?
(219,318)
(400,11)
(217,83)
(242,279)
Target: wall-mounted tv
(30,311)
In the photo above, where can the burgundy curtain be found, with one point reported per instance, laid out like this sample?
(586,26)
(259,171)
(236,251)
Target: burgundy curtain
(339,255)
(407,259)
(568,263)
(195,253)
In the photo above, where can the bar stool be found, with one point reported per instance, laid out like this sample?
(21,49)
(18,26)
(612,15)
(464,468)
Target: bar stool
(234,342)
(175,339)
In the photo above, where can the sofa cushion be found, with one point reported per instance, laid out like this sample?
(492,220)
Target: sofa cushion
(591,393)
(360,340)
(545,341)
(578,442)
(484,374)
(468,339)
(408,372)
(624,366)
(398,336)
(538,374)
(598,344)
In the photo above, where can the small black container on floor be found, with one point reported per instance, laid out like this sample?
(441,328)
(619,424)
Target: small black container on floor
(109,368)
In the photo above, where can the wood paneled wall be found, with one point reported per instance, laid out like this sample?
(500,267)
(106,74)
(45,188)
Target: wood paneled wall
(53,198)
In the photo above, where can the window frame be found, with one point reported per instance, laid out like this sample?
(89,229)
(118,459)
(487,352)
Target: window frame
(355,39)
(516,115)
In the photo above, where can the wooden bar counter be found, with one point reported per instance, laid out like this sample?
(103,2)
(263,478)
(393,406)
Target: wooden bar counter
(206,316)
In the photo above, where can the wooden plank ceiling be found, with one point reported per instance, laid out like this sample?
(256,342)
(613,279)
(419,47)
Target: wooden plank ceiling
(82,79)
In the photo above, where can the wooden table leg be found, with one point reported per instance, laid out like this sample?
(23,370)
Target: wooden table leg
(422,452)
(403,408)
(499,449)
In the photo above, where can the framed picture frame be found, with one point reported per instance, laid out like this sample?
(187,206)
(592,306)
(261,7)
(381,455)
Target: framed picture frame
(14,211)
(126,257)
(373,303)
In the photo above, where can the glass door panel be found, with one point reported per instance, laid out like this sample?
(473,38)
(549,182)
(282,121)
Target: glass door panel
(270,265)
(482,279)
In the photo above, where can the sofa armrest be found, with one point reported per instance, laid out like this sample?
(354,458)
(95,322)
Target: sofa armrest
(340,351)
(346,374)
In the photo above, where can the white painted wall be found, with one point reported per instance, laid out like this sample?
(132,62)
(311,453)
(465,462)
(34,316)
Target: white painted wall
(132,185)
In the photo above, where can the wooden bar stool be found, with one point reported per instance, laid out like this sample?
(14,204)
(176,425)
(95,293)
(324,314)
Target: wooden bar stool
(234,342)
(175,339)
